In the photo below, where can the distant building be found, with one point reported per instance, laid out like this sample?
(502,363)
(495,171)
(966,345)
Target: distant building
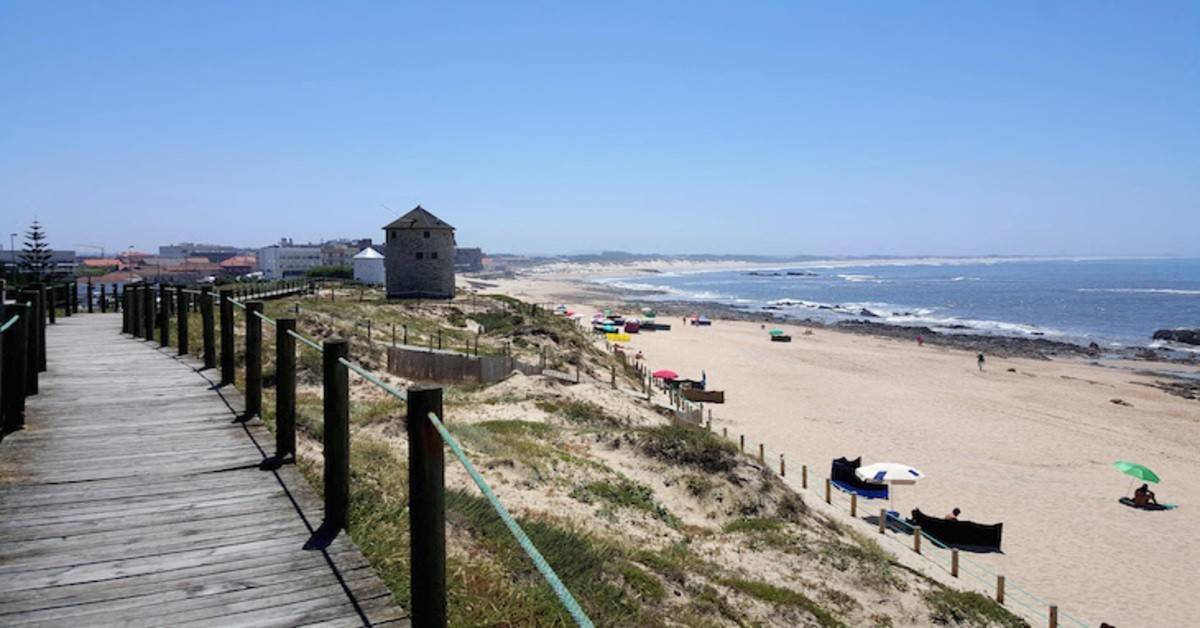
(239,265)
(468,260)
(216,253)
(419,256)
(368,267)
(100,263)
(342,252)
(285,260)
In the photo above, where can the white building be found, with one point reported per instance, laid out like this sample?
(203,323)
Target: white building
(368,267)
(286,260)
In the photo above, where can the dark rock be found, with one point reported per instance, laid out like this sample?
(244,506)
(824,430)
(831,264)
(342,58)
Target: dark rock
(867,313)
(1185,336)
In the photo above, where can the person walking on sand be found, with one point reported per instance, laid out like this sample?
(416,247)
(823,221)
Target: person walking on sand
(920,340)
(979,358)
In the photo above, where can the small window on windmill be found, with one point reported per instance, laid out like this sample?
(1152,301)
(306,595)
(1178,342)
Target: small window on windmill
(426,234)
(420,256)
(433,255)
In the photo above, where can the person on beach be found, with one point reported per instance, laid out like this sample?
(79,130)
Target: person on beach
(953,516)
(979,358)
(1144,497)
(920,340)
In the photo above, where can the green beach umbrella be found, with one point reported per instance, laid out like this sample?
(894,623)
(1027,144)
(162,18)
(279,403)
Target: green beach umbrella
(776,332)
(1136,470)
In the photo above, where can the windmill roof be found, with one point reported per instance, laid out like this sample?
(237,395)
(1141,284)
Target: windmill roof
(368,253)
(418,218)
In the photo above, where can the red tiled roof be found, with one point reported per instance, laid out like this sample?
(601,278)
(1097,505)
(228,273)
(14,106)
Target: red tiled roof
(101,263)
(239,261)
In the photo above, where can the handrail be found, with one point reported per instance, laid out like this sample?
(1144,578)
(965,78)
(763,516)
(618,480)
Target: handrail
(9,323)
(306,341)
(373,379)
(267,319)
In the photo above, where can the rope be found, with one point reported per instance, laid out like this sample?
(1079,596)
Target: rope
(238,303)
(9,323)
(374,380)
(306,341)
(564,596)
(267,319)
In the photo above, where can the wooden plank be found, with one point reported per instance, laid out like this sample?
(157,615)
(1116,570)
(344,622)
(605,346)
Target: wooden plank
(134,498)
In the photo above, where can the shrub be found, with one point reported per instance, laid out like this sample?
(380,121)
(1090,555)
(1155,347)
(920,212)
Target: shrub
(688,445)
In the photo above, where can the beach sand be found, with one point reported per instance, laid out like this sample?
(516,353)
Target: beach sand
(1032,447)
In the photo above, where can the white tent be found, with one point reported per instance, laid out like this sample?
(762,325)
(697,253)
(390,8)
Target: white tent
(368,267)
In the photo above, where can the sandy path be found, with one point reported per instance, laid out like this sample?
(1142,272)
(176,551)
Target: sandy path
(1033,449)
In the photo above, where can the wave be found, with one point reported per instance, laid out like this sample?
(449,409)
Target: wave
(1143,291)
(899,315)
(661,289)
(860,278)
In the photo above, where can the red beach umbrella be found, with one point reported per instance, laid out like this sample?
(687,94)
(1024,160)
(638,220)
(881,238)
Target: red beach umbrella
(665,374)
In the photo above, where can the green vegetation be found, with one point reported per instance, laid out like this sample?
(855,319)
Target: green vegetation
(625,493)
(949,606)
(582,412)
(691,446)
(783,597)
(331,272)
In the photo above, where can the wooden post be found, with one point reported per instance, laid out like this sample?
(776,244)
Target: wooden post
(208,330)
(427,511)
(828,491)
(337,434)
(148,309)
(853,505)
(164,316)
(612,375)
(804,476)
(90,294)
(253,359)
(51,304)
(15,364)
(782,468)
(393,334)
(439,338)
(181,327)
(1053,616)
(725,432)
(66,294)
(742,443)
(41,329)
(762,458)
(1000,589)
(917,539)
(954,562)
(368,332)
(285,389)
(103,298)
(227,363)
(406,334)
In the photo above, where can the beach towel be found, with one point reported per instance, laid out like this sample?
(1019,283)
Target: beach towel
(1129,502)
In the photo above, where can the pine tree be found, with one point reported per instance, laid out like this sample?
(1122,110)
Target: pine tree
(36,256)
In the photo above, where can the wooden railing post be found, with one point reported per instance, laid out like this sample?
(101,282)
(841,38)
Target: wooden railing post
(74,286)
(954,562)
(104,298)
(917,539)
(427,509)
(15,364)
(285,389)
(39,324)
(337,435)
(124,310)
(999,589)
(31,300)
(51,303)
(208,330)
(67,294)
(181,321)
(1053,620)
(253,359)
(882,519)
(227,363)
(164,316)
(148,309)
(90,295)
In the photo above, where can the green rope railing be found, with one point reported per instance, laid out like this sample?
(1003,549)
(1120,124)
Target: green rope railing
(310,343)
(9,323)
(560,590)
(367,375)
(266,319)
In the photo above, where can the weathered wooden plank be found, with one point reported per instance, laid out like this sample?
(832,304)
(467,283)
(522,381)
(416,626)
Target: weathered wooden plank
(132,497)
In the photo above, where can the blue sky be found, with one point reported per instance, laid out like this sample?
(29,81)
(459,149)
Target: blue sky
(762,127)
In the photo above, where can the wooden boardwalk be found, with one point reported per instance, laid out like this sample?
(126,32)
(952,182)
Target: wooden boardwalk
(133,497)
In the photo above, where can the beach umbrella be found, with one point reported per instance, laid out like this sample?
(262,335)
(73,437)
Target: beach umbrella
(665,374)
(609,328)
(776,332)
(1136,470)
(891,473)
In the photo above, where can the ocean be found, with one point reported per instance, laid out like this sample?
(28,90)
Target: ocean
(1112,302)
